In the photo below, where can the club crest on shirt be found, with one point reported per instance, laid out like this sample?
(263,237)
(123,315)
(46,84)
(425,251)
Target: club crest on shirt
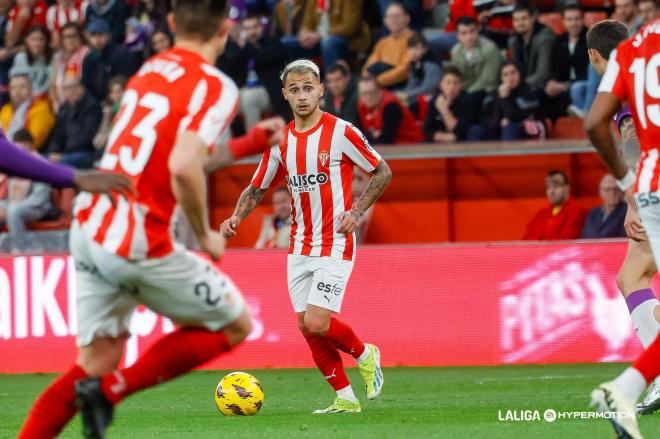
(324,157)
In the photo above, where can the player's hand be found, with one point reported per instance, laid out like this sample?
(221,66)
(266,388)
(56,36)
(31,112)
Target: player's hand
(633,226)
(229,226)
(275,126)
(213,244)
(348,221)
(103,182)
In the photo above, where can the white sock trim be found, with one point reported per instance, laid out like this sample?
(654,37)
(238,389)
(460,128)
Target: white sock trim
(364,356)
(630,383)
(347,393)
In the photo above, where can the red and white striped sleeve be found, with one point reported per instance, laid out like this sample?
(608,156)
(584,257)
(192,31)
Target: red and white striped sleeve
(613,78)
(211,108)
(357,148)
(270,170)
(51,17)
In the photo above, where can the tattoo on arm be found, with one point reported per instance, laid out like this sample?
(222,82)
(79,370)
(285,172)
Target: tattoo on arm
(629,147)
(249,199)
(381,177)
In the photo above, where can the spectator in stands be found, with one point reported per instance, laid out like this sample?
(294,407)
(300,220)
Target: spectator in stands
(35,61)
(6,52)
(512,111)
(476,57)
(648,11)
(137,36)
(76,125)
(261,59)
(25,111)
(626,12)
(67,60)
(531,46)
(340,96)
(570,62)
(161,40)
(452,115)
(383,118)
(276,228)
(495,17)
(298,22)
(346,30)
(27,201)
(152,14)
(61,13)
(423,72)
(105,60)
(109,109)
(606,221)
(388,62)
(412,7)
(23,16)
(563,218)
(112,12)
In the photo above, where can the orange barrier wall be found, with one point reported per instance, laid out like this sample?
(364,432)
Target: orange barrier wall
(438,200)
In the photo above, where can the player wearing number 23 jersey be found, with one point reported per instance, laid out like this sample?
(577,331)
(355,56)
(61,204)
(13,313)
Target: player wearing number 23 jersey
(172,92)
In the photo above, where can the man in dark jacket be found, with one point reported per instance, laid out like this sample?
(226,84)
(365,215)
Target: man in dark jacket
(77,122)
(606,221)
(105,60)
(340,97)
(255,61)
(570,61)
(531,46)
(114,12)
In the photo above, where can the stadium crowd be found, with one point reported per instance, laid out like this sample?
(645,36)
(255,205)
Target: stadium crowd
(403,72)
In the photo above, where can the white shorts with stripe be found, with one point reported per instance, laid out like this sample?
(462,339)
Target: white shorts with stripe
(317,280)
(182,286)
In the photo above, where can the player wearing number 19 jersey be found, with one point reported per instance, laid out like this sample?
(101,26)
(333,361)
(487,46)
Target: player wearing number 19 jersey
(316,158)
(173,111)
(632,76)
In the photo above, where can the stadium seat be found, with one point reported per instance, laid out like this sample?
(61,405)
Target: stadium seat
(554,21)
(545,5)
(62,200)
(569,128)
(593,17)
(596,4)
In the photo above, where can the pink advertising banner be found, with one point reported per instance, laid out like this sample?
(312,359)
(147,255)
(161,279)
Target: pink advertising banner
(423,305)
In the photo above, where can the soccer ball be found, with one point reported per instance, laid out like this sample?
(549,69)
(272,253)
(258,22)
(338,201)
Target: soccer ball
(239,394)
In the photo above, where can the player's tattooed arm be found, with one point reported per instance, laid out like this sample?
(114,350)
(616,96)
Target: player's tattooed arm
(629,147)
(249,199)
(380,179)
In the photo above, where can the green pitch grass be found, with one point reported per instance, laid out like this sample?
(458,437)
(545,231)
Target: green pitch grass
(416,403)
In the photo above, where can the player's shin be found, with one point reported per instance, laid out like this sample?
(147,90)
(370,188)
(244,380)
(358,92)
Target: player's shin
(345,338)
(171,356)
(328,360)
(54,407)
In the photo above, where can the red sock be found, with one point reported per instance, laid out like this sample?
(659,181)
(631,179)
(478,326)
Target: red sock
(171,356)
(648,364)
(343,336)
(327,359)
(54,407)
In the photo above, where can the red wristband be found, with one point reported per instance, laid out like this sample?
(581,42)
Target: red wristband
(254,142)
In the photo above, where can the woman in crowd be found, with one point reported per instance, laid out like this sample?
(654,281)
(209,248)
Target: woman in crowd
(67,60)
(35,60)
(116,88)
(512,110)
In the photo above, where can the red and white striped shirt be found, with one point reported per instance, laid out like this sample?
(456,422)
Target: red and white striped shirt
(57,15)
(318,167)
(173,92)
(632,76)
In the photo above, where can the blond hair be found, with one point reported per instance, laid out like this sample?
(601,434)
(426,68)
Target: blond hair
(301,66)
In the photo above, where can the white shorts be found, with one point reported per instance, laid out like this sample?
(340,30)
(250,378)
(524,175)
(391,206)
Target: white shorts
(319,281)
(648,206)
(182,286)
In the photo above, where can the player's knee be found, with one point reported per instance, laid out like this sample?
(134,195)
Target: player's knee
(315,326)
(621,281)
(239,329)
(101,357)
